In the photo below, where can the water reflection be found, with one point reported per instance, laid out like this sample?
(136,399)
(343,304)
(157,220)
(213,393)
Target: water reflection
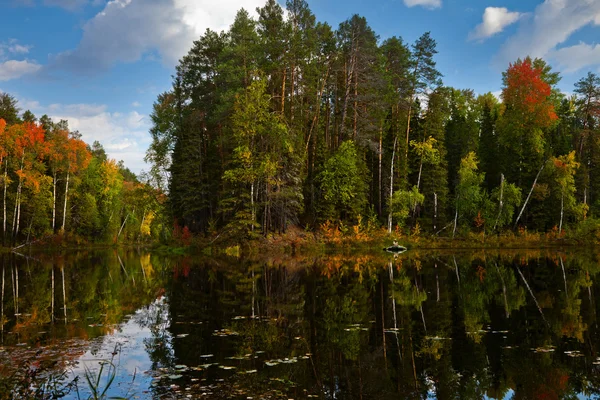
(418,325)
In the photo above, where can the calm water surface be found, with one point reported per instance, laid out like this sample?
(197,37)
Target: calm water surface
(429,325)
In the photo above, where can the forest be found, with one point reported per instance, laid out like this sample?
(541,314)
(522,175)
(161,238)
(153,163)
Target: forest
(283,121)
(54,186)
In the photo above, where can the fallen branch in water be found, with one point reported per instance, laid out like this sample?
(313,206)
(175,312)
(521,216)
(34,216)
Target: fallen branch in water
(30,243)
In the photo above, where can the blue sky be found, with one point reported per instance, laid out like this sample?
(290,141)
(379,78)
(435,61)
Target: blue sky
(101,64)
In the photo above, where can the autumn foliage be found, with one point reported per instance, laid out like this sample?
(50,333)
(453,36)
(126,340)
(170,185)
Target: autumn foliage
(528,95)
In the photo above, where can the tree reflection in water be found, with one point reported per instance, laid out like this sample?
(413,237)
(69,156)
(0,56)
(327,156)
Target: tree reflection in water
(420,325)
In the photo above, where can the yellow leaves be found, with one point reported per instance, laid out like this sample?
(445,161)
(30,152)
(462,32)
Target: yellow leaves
(426,150)
(145,228)
(147,266)
(111,178)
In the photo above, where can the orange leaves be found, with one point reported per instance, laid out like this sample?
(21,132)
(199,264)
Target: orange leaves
(2,125)
(78,155)
(31,140)
(528,95)
(559,164)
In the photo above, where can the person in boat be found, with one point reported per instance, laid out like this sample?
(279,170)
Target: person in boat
(395,243)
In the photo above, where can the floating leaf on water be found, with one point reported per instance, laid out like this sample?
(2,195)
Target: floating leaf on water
(251,371)
(226,367)
(259,352)
(239,317)
(182,335)
(206,356)
(174,376)
(271,363)
(544,349)
(575,354)
(225,332)
(181,366)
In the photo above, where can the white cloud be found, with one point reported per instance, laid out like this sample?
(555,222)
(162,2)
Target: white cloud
(19,49)
(123,135)
(126,30)
(136,104)
(13,69)
(13,47)
(574,58)
(431,4)
(553,22)
(495,19)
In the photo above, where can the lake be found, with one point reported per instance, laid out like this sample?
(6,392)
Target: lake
(431,325)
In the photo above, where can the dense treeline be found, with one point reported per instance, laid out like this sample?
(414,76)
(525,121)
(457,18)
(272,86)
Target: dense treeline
(283,120)
(51,182)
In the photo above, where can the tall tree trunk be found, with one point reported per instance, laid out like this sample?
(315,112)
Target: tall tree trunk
(142,224)
(501,202)
(283,93)
(349,78)
(252,213)
(529,195)
(4,202)
(408,127)
(123,224)
(435,207)
(419,177)
(455,218)
(391,185)
(66,198)
(562,208)
(355,122)
(15,229)
(380,209)
(17,211)
(53,201)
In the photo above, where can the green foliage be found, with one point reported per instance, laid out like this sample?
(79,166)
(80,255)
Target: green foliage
(502,215)
(342,184)
(255,133)
(469,194)
(403,202)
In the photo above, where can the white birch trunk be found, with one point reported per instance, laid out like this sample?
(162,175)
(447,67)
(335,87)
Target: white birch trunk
(392,185)
(64,221)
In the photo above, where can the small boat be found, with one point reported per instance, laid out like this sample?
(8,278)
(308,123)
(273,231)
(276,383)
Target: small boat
(395,248)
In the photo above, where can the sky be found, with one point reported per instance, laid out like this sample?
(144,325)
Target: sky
(101,64)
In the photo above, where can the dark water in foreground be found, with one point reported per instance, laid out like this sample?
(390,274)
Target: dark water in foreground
(520,325)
